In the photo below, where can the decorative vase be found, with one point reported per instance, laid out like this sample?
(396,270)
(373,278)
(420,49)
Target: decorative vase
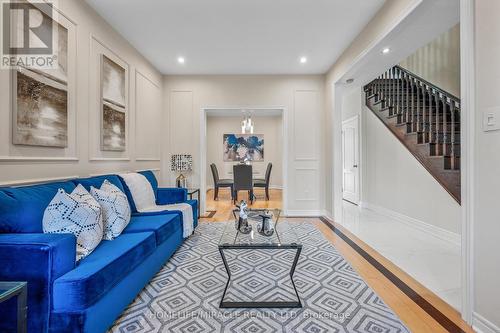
(242,223)
(267,227)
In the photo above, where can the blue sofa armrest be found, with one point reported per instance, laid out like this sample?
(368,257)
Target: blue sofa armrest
(171,195)
(38,259)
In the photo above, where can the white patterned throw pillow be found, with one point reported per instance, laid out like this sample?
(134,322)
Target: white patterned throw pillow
(115,209)
(77,213)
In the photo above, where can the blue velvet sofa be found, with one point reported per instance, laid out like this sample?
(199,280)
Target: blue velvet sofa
(65,296)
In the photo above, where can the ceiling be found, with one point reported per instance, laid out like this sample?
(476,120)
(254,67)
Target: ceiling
(239,36)
(424,23)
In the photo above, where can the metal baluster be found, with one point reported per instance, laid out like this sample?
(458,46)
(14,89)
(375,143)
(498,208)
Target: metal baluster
(418,127)
(430,134)
(413,104)
(424,120)
(393,91)
(454,140)
(437,111)
(407,98)
(444,101)
(398,82)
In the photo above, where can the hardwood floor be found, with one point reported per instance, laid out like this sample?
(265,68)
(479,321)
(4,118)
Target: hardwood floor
(224,206)
(408,298)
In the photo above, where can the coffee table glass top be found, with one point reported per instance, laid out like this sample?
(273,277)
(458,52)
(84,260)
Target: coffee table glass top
(283,232)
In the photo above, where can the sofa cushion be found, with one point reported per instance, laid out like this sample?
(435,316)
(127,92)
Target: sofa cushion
(95,275)
(76,213)
(22,208)
(98,181)
(163,225)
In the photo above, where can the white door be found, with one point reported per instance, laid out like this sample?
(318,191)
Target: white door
(350,160)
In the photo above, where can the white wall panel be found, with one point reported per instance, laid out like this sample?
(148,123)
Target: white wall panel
(148,116)
(82,157)
(181,122)
(306,125)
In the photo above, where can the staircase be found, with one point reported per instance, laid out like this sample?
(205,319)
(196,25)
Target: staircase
(424,118)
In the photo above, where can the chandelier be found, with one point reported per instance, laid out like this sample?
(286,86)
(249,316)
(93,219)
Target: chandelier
(247,123)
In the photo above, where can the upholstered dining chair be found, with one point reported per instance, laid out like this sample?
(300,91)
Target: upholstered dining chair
(220,182)
(264,182)
(242,175)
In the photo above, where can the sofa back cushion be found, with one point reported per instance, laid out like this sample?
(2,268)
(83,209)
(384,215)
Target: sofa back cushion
(22,208)
(98,180)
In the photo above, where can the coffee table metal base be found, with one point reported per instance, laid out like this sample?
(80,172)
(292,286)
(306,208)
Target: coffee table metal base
(260,304)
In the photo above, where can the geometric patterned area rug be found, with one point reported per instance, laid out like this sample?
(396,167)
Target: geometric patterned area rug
(184,296)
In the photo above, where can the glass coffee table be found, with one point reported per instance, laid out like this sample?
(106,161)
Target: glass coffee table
(246,246)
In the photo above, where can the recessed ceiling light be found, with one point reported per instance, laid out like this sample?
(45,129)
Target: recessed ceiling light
(386,50)
(181,60)
(303,60)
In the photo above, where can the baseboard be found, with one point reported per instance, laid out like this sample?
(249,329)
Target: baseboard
(483,325)
(305,213)
(272,187)
(415,223)
(326,213)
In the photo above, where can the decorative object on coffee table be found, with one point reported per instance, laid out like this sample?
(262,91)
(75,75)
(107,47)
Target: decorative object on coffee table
(267,226)
(9,289)
(242,221)
(181,163)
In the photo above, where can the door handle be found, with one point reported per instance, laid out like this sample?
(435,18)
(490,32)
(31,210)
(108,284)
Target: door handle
(355,166)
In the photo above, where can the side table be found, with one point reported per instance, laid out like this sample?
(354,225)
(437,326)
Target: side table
(9,289)
(191,192)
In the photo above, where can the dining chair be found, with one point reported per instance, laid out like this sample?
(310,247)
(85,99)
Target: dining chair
(220,182)
(264,182)
(242,175)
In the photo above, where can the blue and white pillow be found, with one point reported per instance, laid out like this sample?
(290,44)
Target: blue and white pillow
(115,209)
(77,213)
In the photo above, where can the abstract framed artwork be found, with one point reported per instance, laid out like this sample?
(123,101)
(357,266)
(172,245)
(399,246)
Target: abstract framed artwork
(113,105)
(243,147)
(40,98)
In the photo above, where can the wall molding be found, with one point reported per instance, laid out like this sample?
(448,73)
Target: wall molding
(109,159)
(37,159)
(303,213)
(136,116)
(35,181)
(441,233)
(483,325)
(467,152)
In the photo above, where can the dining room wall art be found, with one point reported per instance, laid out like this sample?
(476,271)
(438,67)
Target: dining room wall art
(243,147)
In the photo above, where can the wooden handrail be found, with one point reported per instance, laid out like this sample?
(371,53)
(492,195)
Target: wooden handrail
(431,85)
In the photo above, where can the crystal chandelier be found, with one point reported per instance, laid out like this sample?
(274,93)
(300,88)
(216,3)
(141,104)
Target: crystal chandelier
(247,123)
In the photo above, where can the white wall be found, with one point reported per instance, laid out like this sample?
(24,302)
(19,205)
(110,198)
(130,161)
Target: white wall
(382,22)
(486,178)
(300,96)
(90,35)
(272,129)
(439,61)
(395,180)
(392,178)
